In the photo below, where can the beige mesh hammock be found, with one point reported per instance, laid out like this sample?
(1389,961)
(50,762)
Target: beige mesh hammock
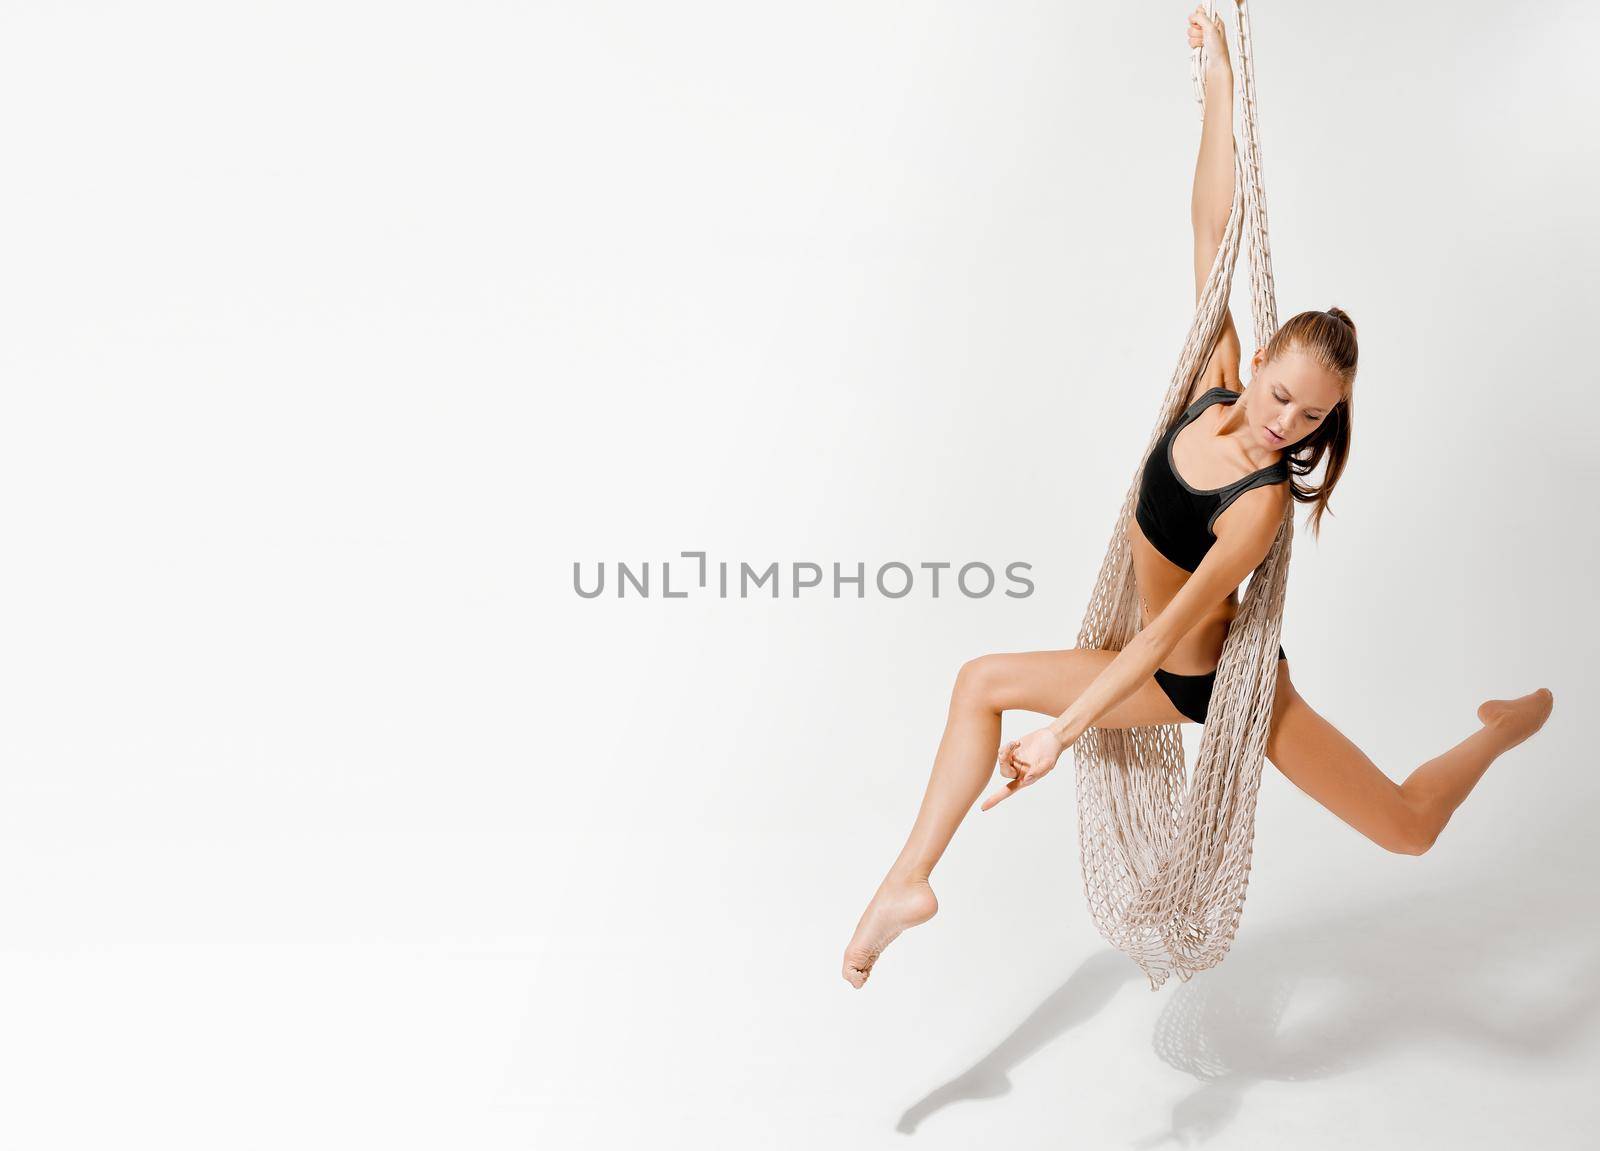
(1166,860)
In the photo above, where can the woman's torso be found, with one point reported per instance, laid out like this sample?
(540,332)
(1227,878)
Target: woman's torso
(1183,492)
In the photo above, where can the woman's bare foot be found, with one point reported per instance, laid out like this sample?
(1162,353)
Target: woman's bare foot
(1517,718)
(896,906)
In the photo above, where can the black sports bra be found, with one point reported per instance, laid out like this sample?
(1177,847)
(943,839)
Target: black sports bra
(1177,518)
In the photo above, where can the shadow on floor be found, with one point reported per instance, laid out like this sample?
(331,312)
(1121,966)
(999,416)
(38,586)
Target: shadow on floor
(1508,961)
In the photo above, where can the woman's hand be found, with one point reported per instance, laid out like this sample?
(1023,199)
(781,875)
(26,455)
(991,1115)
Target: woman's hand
(1208,31)
(1027,760)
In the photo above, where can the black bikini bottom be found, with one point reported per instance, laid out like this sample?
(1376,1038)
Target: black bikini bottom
(1191,694)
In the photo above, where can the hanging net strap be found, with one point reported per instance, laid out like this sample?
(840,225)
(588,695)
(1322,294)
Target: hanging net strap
(1166,858)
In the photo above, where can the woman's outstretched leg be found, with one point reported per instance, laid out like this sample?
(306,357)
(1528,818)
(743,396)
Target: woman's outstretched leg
(1042,681)
(1402,817)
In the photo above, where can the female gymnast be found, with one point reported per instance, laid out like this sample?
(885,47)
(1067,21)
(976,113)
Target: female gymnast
(1212,495)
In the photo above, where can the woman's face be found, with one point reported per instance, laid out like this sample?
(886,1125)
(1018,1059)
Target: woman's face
(1289,398)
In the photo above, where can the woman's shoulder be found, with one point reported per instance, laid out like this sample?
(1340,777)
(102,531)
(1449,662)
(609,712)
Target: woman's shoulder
(1220,372)
(1203,397)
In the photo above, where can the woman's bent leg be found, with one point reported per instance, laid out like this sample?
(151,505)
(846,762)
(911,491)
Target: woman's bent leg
(1041,681)
(1401,817)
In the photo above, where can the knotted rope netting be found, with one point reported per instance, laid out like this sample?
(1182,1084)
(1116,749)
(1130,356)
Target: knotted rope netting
(1166,858)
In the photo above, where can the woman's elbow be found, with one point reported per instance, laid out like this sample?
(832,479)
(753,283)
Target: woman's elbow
(1152,645)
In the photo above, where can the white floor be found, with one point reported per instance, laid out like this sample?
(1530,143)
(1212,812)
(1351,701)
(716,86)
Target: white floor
(417,991)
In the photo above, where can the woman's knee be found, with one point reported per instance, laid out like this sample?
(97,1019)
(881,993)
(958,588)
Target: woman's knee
(1416,828)
(977,680)
(1404,835)
(1041,681)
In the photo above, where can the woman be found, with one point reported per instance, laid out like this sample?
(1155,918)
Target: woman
(1212,496)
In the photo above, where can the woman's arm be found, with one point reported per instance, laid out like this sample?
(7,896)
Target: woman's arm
(1213,191)
(1213,168)
(1239,550)
(1243,544)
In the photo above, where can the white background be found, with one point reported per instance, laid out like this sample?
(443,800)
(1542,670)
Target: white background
(332,336)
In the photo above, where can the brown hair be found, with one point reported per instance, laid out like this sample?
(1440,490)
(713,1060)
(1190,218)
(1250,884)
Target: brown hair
(1329,339)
